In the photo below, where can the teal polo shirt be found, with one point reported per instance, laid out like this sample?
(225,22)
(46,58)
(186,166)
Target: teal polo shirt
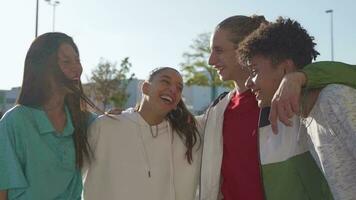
(36,162)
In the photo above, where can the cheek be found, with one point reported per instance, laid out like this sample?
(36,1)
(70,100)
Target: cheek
(229,58)
(179,96)
(66,72)
(271,85)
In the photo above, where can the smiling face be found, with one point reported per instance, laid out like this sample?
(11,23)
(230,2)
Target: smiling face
(264,79)
(69,62)
(164,91)
(223,57)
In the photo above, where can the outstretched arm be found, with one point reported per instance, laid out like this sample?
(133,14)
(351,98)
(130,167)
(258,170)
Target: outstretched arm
(285,102)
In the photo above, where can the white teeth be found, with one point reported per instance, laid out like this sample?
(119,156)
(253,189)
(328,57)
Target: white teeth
(167,98)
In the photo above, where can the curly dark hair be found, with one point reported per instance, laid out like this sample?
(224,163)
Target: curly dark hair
(281,40)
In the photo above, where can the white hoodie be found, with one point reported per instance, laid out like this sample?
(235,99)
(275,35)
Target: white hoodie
(129,163)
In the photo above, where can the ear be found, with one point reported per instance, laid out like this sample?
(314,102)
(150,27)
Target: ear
(145,87)
(288,66)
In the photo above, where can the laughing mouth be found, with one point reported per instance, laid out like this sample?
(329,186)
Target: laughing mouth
(167,98)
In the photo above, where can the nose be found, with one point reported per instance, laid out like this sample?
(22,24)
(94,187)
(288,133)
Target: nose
(249,83)
(173,89)
(77,68)
(212,59)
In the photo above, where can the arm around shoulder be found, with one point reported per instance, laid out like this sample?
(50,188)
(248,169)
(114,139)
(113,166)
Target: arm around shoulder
(320,74)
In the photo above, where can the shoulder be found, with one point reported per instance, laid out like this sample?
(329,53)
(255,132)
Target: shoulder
(13,121)
(17,113)
(109,120)
(337,93)
(336,101)
(219,98)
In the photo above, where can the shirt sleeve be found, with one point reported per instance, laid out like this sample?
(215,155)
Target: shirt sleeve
(339,110)
(11,170)
(337,106)
(323,73)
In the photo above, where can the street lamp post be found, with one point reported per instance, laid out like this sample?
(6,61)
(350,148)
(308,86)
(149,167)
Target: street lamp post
(331,32)
(36,29)
(54,4)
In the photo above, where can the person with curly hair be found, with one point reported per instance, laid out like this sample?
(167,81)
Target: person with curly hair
(230,160)
(270,53)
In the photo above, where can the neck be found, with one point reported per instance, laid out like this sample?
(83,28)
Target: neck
(54,104)
(239,81)
(150,115)
(240,86)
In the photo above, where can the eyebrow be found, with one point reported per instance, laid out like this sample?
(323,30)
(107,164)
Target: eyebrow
(217,48)
(168,77)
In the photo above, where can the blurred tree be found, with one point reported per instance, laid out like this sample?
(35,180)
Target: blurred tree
(197,71)
(109,83)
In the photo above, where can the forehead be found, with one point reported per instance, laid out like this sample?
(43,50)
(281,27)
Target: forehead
(260,61)
(66,50)
(170,74)
(221,39)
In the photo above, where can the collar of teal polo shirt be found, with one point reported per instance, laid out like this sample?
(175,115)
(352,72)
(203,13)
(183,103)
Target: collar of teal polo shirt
(45,126)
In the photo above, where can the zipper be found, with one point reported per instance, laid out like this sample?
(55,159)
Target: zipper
(205,120)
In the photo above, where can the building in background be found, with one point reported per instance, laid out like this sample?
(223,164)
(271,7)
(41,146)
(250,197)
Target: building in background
(8,99)
(197,98)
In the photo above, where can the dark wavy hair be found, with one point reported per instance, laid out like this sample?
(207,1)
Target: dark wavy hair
(41,64)
(181,120)
(281,40)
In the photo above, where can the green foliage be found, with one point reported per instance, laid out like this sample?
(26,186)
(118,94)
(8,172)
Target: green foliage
(196,70)
(110,83)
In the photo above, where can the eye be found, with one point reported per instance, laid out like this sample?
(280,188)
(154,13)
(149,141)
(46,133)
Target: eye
(65,61)
(219,51)
(165,81)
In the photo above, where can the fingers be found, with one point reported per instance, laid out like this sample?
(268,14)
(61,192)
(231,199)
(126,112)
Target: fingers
(282,110)
(295,105)
(285,112)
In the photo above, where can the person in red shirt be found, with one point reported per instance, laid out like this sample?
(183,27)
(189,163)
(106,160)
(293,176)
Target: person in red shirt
(230,161)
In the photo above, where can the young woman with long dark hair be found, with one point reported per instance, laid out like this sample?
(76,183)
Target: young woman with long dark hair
(43,137)
(149,153)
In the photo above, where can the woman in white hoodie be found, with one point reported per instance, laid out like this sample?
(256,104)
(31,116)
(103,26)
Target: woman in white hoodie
(150,153)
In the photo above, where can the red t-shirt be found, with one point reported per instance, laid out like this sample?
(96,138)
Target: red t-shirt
(240,165)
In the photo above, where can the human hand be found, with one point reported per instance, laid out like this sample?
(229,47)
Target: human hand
(285,102)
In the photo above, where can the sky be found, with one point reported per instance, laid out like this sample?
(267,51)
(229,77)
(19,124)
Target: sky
(157,32)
